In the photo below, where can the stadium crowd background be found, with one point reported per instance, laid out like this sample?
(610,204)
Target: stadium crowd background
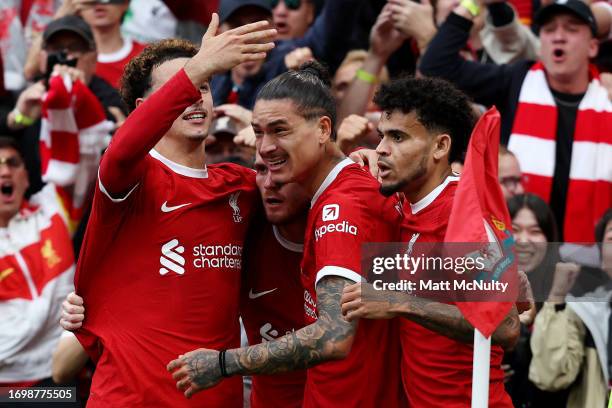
(486,48)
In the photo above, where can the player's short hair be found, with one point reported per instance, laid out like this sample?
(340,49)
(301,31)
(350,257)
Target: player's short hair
(136,78)
(308,88)
(438,105)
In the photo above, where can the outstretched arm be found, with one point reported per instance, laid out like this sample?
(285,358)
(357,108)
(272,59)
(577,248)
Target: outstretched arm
(329,338)
(123,164)
(363,301)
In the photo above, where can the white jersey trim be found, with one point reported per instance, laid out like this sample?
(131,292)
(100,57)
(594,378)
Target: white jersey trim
(430,198)
(107,194)
(330,178)
(118,55)
(338,271)
(179,168)
(285,243)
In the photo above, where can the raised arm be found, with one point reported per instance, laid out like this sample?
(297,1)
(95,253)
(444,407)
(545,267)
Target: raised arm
(486,83)
(329,338)
(123,164)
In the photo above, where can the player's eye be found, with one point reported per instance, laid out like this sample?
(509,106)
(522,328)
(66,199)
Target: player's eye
(205,88)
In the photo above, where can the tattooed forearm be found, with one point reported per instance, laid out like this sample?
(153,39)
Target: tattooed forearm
(329,338)
(449,321)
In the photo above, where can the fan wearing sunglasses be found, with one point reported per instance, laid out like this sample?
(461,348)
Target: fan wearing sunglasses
(292,17)
(297,29)
(36,270)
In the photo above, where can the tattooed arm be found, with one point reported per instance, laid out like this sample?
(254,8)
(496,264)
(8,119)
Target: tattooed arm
(329,338)
(362,301)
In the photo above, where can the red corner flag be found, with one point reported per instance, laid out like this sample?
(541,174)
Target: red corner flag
(479,197)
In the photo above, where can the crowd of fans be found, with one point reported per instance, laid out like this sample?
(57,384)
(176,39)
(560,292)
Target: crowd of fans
(546,66)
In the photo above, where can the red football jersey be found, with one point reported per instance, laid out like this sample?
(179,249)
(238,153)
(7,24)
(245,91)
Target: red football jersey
(346,212)
(271,307)
(110,66)
(160,274)
(437,370)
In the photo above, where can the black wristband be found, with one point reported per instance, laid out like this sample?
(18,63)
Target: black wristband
(222,364)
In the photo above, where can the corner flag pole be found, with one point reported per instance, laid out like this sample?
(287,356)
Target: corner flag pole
(480,370)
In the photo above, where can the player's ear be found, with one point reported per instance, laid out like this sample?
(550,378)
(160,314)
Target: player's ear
(442,146)
(139,101)
(324,129)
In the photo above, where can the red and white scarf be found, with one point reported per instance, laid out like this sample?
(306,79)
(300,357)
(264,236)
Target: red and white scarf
(74,131)
(533,141)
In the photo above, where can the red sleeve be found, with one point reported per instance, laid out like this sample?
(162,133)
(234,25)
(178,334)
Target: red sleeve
(122,165)
(341,226)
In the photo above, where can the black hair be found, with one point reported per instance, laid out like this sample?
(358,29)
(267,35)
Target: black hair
(542,212)
(541,277)
(136,78)
(600,228)
(438,105)
(308,88)
(7,142)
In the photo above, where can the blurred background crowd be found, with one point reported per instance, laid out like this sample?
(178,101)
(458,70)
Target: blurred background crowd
(546,66)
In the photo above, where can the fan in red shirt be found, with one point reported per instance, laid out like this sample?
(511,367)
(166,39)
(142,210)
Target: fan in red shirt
(272,296)
(349,364)
(110,65)
(114,50)
(424,127)
(161,261)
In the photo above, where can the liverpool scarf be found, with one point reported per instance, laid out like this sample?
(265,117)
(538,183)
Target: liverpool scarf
(533,141)
(74,131)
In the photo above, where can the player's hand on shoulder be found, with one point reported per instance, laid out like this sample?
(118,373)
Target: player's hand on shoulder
(73,312)
(221,52)
(366,157)
(196,371)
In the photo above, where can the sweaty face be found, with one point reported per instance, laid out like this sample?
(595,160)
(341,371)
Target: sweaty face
(404,152)
(195,121)
(13,183)
(510,178)
(288,144)
(530,240)
(293,23)
(566,46)
(104,15)
(282,203)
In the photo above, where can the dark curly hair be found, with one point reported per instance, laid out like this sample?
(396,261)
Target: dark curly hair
(309,88)
(438,105)
(136,78)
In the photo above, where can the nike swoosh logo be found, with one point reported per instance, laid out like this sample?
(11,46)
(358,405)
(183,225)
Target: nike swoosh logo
(260,294)
(165,208)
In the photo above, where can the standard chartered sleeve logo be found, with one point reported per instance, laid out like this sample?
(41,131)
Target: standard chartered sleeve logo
(170,258)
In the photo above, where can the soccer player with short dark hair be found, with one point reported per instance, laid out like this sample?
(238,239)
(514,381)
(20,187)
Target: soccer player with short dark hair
(352,364)
(425,125)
